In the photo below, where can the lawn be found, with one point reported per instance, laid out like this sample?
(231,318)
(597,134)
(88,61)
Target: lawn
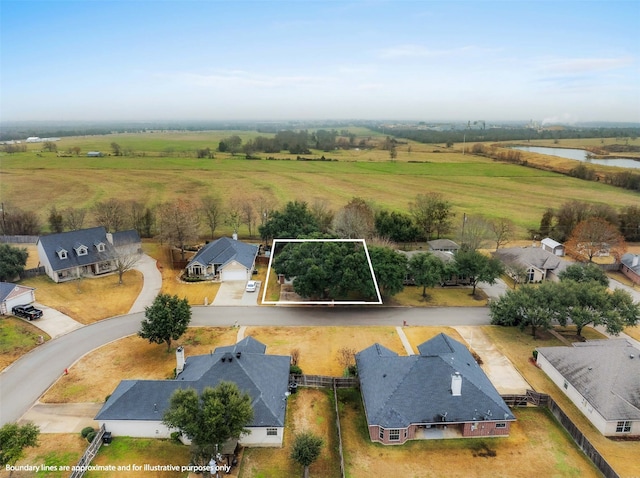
(17,337)
(411,296)
(537,446)
(54,449)
(88,300)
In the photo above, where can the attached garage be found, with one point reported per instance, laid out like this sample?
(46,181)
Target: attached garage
(224,259)
(235,271)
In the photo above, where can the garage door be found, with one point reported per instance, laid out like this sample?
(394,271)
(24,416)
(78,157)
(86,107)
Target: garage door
(234,274)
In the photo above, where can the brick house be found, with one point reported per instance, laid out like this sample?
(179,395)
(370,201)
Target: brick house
(630,266)
(440,393)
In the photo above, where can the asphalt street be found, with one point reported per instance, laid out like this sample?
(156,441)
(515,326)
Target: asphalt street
(23,382)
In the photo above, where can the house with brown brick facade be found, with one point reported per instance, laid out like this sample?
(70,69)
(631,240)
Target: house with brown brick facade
(440,393)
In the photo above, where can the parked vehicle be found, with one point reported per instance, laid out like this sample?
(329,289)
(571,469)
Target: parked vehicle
(252,286)
(28,312)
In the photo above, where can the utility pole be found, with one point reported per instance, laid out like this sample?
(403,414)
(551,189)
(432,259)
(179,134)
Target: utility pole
(4,223)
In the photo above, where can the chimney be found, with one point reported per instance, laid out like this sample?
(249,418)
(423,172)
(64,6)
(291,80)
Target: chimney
(456,384)
(179,359)
(634,261)
(110,238)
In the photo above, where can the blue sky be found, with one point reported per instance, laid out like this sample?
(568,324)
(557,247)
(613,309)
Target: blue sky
(564,60)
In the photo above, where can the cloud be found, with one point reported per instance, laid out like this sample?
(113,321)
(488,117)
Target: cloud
(572,66)
(420,51)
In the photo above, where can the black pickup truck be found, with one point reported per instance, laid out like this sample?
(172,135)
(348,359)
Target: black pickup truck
(28,312)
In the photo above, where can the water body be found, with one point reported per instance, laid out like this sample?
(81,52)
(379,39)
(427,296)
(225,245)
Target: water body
(580,155)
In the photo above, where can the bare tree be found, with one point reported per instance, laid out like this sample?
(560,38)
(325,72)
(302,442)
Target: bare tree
(74,218)
(212,212)
(295,356)
(432,213)
(266,205)
(355,221)
(593,237)
(124,262)
(475,233)
(110,214)
(248,214)
(324,216)
(233,216)
(179,224)
(502,230)
(346,357)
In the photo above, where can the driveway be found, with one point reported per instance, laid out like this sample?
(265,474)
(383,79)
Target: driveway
(152,283)
(62,417)
(234,293)
(55,323)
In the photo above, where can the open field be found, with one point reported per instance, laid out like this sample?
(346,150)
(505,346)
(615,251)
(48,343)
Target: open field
(474,185)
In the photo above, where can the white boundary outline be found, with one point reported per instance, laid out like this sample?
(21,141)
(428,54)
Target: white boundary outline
(319,302)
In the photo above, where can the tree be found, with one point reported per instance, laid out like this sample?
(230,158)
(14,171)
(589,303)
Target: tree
(124,262)
(74,218)
(502,230)
(426,270)
(322,214)
(212,211)
(396,226)
(546,223)
(432,214)
(248,214)
(111,214)
(306,449)
(584,273)
(346,357)
(390,268)
(356,220)
(179,224)
(14,439)
(477,267)
(50,146)
(209,420)
(593,237)
(15,221)
(116,148)
(56,223)
(165,320)
(475,233)
(12,262)
(629,219)
(294,221)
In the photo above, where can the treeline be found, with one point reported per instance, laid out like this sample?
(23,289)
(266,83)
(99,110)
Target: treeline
(505,134)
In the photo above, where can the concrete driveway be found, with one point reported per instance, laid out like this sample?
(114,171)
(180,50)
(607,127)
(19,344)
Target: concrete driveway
(62,417)
(233,293)
(54,323)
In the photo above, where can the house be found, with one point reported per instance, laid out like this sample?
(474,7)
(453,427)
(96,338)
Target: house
(440,393)
(630,266)
(136,407)
(95,154)
(13,294)
(443,245)
(539,264)
(602,379)
(446,257)
(224,259)
(554,247)
(85,252)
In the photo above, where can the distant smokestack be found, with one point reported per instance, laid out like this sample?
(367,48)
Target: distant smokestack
(456,384)
(179,359)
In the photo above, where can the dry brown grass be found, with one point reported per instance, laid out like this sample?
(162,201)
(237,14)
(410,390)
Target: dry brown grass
(55,449)
(319,345)
(32,258)
(535,447)
(91,299)
(308,410)
(633,332)
(518,346)
(439,297)
(97,374)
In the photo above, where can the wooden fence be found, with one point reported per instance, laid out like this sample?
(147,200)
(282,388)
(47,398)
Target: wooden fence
(81,467)
(36,271)
(322,381)
(335,401)
(19,239)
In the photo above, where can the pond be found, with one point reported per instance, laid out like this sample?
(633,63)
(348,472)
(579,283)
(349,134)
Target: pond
(580,155)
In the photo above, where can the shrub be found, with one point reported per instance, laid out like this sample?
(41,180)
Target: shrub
(175,436)
(294,369)
(86,430)
(92,434)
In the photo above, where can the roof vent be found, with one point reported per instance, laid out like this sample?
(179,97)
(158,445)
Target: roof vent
(631,356)
(224,359)
(238,354)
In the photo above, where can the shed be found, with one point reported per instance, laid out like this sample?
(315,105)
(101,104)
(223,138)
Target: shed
(552,246)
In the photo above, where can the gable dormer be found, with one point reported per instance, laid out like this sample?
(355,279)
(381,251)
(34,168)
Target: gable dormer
(80,249)
(100,246)
(62,253)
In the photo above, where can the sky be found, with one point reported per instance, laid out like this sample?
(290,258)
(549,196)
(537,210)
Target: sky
(548,61)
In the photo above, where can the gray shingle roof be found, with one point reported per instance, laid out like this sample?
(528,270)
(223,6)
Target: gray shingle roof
(530,256)
(403,390)
(224,250)
(604,373)
(264,377)
(627,260)
(443,244)
(69,241)
(5,289)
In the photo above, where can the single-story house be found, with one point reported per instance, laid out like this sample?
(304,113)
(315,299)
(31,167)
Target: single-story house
(630,266)
(539,263)
(136,407)
(446,257)
(554,247)
(13,294)
(440,393)
(224,259)
(602,379)
(85,252)
(443,245)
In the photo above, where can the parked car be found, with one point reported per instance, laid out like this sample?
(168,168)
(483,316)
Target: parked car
(28,312)
(251,286)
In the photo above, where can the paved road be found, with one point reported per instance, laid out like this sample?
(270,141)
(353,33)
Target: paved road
(22,383)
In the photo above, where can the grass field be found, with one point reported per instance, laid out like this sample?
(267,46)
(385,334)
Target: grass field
(474,185)
(17,337)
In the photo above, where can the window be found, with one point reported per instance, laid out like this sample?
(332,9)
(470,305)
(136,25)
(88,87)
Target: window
(623,426)
(62,254)
(501,425)
(100,247)
(381,433)
(394,435)
(566,385)
(272,432)
(531,275)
